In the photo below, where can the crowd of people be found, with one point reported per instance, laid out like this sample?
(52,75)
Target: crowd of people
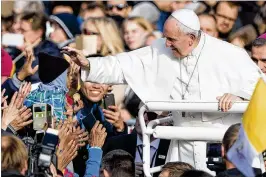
(55,52)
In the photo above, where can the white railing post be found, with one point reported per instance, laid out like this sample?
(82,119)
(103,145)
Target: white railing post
(146,142)
(176,132)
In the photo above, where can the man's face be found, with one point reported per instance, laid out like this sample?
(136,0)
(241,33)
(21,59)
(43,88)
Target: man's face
(179,42)
(176,5)
(97,12)
(164,174)
(259,57)
(208,25)
(93,91)
(225,17)
(117,7)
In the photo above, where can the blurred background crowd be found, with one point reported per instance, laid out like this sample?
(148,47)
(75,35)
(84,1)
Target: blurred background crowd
(99,28)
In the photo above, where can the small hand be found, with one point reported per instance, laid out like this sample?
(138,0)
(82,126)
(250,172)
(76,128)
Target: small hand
(78,106)
(227,100)
(113,116)
(3,99)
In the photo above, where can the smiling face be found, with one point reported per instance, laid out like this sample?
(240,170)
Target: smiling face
(93,91)
(180,43)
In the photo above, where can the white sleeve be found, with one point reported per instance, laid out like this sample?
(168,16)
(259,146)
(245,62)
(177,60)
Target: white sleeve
(104,70)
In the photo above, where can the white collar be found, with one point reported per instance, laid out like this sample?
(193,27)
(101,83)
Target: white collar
(154,143)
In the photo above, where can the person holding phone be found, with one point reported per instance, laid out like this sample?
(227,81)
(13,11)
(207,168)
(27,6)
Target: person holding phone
(92,95)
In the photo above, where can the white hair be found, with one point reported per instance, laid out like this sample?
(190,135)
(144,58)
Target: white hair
(187,30)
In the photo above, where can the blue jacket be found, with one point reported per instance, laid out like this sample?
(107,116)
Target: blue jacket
(96,111)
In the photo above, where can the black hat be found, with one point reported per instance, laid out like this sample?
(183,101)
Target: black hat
(50,67)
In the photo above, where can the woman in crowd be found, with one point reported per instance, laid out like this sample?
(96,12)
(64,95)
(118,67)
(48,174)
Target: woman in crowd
(135,30)
(109,41)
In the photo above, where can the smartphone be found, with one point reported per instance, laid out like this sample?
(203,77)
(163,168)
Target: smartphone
(109,100)
(89,122)
(49,116)
(39,116)
(39,136)
(12,39)
(214,149)
(87,43)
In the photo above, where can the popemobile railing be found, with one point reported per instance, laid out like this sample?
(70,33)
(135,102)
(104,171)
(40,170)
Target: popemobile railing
(179,133)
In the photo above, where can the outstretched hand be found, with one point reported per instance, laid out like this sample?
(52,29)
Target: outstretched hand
(77,56)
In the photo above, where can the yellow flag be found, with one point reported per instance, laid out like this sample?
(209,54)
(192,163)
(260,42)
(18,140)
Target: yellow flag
(254,119)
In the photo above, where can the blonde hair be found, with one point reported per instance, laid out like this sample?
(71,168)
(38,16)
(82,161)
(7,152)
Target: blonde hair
(14,153)
(142,22)
(111,39)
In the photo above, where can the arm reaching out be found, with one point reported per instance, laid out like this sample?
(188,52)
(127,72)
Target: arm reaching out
(105,70)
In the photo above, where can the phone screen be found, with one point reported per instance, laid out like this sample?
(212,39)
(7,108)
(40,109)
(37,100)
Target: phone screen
(39,116)
(214,150)
(89,122)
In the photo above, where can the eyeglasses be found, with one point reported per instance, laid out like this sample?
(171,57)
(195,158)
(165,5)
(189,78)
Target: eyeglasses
(118,6)
(225,17)
(87,32)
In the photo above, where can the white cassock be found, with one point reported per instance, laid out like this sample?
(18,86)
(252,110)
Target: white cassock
(155,74)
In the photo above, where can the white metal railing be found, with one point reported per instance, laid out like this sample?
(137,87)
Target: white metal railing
(179,133)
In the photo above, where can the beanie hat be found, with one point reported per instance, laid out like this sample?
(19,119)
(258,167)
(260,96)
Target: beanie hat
(7,64)
(68,22)
(141,9)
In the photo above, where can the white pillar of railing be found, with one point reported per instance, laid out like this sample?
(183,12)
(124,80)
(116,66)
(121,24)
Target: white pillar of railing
(185,106)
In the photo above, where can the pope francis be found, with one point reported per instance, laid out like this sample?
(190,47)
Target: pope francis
(186,64)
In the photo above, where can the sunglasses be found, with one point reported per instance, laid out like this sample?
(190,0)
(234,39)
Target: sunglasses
(87,32)
(118,6)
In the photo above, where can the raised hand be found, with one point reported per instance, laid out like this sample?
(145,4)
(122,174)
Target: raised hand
(22,119)
(97,135)
(13,110)
(66,155)
(27,69)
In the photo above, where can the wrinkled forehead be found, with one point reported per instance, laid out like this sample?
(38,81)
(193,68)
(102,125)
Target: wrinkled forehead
(171,28)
